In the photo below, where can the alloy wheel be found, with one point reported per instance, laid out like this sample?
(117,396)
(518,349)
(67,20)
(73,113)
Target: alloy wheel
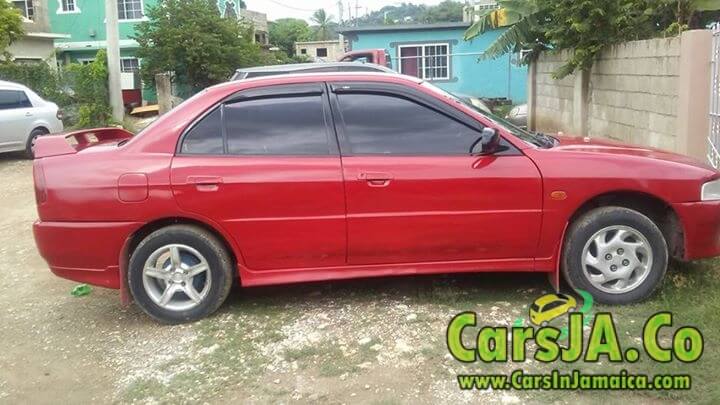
(176,277)
(617,259)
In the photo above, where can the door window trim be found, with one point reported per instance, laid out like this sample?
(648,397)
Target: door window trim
(264,92)
(412,95)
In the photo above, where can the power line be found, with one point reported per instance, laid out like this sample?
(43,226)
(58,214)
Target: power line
(291,7)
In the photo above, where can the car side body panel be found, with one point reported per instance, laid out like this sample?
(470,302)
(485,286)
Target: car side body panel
(85,223)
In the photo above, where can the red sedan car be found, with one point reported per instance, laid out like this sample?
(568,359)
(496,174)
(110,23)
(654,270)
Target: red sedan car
(333,176)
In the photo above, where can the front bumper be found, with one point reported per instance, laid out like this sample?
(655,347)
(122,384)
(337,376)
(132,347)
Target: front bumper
(86,252)
(701,227)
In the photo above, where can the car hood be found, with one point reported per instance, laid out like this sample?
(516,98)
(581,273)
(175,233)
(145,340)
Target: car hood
(610,147)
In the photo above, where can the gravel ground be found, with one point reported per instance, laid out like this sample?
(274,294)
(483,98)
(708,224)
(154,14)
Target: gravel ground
(365,341)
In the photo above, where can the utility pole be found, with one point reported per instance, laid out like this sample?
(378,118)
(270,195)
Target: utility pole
(340,11)
(113,59)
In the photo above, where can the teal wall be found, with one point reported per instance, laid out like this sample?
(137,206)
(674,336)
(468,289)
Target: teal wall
(493,78)
(89,23)
(87,27)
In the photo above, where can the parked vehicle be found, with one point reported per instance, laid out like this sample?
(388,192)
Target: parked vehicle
(549,307)
(25,116)
(475,102)
(274,70)
(376,56)
(300,178)
(518,115)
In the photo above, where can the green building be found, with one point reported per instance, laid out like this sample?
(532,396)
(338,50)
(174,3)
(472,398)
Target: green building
(84,22)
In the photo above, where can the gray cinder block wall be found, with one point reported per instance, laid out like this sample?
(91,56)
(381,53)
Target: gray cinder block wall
(653,93)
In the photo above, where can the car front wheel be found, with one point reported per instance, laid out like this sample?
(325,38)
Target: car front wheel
(616,254)
(180,273)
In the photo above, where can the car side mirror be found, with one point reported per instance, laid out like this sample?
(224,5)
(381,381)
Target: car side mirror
(488,143)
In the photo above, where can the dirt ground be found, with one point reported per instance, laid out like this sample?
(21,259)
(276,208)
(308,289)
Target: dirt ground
(368,341)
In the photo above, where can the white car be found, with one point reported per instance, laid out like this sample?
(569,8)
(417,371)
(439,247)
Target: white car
(24,116)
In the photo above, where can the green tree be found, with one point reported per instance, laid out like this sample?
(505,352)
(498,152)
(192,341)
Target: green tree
(586,27)
(190,38)
(284,32)
(323,21)
(447,11)
(10,27)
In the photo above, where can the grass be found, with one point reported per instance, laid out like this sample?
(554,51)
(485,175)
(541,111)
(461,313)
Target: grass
(378,309)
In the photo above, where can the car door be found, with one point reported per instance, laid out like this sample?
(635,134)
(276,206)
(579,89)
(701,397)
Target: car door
(265,165)
(16,115)
(414,191)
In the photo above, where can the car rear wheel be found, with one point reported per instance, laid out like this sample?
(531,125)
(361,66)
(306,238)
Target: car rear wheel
(180,273)
(30,147)
(616,254)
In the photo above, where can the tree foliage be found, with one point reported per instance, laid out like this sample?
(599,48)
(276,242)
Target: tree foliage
(323,23)
(584,26)
(191,39)
(11,27)
(446,11)
(284,32)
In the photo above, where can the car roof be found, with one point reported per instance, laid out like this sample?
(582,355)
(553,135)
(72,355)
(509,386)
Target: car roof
(293,67)
(546,299)
(322,76)
(11,85)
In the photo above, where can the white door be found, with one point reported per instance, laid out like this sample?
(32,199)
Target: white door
(16,115)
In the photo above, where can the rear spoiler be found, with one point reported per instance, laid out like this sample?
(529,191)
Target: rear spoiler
(73,142)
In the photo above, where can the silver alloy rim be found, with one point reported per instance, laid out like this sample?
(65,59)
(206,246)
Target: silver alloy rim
(617,259)
(176,277)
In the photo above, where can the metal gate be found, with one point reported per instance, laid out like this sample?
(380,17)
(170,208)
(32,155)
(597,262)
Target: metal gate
(713,154)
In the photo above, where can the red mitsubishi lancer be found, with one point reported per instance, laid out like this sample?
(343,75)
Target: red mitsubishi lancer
(312,177)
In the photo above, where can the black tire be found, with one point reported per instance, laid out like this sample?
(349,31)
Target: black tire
(219,263)
(580,232)
(31,140)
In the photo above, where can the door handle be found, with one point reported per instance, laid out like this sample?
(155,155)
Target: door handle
(375,179)
(205,183)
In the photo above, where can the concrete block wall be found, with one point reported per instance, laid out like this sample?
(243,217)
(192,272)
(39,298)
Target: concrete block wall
(633,93)
(553,98)
(652,93)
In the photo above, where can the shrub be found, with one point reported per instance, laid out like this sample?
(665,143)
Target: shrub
(40,77)
(90,91)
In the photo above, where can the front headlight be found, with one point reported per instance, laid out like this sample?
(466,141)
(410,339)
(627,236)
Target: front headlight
(710,191)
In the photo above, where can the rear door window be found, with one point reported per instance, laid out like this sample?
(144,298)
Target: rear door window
(277,126)
(12,99)
(205,137)
(258,122)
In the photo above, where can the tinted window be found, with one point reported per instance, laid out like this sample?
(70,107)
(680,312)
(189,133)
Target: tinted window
(378,124)
(552,305)
(206,136)
(535,307)
(10,99)
(277,126)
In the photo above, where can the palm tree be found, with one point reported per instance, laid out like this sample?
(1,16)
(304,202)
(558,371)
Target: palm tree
(323,22)
(523,19)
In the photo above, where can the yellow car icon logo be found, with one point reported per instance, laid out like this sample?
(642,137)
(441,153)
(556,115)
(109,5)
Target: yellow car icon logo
(549,307)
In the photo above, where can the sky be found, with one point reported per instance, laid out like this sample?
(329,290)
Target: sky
(304,8)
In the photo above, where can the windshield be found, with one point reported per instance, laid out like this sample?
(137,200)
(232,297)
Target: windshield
(539,140)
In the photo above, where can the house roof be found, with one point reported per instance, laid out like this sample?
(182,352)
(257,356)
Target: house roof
(404,27)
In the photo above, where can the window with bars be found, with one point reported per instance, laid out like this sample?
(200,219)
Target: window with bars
(26,8)
(68,6)
(130,9)
(426,61)
(129,65)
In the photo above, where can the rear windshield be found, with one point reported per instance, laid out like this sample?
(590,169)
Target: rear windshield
(535,307)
